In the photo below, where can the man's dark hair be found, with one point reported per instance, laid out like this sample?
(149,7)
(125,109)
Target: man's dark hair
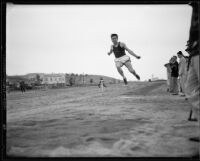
(180,53)
(112,35)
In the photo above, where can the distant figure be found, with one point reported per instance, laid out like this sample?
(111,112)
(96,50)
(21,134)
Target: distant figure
(22,86)
(118,48)
(101,84)
(170,77)
(182,72)
(174,75)
(167,65)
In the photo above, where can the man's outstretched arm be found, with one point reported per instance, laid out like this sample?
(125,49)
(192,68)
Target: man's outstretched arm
(111,50)
(130,51)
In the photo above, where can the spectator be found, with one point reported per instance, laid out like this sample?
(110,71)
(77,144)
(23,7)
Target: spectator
(22,86)
(193,81)
(174,75)
(182,72)
(167,65)
(101,84)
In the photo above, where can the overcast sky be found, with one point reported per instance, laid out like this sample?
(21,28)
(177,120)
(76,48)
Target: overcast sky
(76,38)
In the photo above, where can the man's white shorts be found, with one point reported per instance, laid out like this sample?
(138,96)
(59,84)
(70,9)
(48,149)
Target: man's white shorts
(122,60)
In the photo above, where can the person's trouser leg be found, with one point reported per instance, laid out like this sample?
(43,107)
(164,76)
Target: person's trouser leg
(182,84)
(168,81)
(174,85)
(193,84)
(170,84)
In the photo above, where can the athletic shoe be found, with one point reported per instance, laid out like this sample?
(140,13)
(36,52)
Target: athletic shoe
(137,76)
(196,139)
(192,119)
(125,81)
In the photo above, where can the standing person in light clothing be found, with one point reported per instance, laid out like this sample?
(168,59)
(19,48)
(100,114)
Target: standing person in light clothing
(182,72)
(193,85)
(118,48)
(168,76)
(193,78)
(170,81)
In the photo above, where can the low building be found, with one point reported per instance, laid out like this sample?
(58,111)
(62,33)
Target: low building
(51,79)
(154,79)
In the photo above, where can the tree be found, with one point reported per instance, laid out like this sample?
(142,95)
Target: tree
(71,81)
(91,80)
(38,79)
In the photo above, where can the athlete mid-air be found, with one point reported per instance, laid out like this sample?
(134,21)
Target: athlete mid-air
(118,48)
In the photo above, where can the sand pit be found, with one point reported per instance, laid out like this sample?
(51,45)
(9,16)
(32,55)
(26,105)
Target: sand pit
(135,121)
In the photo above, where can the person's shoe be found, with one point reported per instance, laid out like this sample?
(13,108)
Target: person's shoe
(137,76)
(192,119)
(196,139)
(125,81)
(174,93)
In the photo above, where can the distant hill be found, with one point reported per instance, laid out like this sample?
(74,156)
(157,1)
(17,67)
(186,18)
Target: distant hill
(95,79)
(78,78)
(33,75)
(16,79)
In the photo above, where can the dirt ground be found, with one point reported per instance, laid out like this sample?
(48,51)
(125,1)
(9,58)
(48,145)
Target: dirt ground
(141,120)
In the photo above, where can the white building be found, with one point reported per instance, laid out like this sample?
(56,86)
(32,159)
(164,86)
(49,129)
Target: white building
(53,79)
(154,79)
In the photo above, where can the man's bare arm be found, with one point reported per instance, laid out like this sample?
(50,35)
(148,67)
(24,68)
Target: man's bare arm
(130,51)
(111,50)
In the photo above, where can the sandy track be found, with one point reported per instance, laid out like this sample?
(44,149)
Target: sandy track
(138,120)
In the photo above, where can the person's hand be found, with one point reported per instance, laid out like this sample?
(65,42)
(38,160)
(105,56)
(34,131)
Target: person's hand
(138,57)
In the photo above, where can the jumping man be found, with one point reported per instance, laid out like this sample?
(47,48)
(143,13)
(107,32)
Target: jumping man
(118,48)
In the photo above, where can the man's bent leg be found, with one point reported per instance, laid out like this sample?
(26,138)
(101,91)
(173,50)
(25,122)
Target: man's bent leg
(131,70)
(119,69)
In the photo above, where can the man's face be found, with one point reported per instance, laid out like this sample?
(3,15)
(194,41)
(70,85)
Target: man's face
(172,60)
(114,39)
(179,56)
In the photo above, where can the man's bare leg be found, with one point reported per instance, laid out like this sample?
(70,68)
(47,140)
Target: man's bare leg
(119,69)
(131,70)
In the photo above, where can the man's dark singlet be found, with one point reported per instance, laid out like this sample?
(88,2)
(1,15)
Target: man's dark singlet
(118,51)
